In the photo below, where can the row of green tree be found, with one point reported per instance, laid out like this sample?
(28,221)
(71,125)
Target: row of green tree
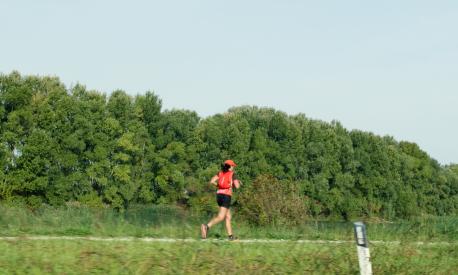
(59,145)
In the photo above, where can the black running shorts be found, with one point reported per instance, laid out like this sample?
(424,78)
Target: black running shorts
(223,200)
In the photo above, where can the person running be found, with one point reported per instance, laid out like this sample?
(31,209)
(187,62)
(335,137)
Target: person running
(224,180)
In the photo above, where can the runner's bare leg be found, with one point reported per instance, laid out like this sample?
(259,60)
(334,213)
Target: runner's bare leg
(219,218)
(228,222)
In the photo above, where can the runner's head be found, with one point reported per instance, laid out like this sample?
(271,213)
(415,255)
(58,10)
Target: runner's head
(228,164)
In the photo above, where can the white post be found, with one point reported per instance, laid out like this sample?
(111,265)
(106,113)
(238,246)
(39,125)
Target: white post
(362,245)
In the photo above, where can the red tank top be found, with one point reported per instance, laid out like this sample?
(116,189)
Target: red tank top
(225,183)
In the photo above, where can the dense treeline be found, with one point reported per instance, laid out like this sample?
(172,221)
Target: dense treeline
(59,145)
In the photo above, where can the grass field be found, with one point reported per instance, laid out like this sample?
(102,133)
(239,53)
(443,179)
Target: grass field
(83,257)
(175,223)
(22,256)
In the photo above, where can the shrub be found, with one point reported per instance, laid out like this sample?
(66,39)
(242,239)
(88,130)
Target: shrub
(269,201)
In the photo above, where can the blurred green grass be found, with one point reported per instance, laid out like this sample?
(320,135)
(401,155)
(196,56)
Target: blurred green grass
(174,222)
(135,257)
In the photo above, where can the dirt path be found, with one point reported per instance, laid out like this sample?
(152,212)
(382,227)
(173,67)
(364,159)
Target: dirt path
(172,240)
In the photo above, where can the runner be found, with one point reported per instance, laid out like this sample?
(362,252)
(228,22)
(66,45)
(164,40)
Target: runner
(224,180)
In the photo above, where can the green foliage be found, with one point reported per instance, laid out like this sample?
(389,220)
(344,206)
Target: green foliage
(268,201)
(59,145)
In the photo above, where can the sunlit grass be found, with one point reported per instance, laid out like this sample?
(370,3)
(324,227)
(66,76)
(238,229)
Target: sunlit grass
(84,257)
(172,222)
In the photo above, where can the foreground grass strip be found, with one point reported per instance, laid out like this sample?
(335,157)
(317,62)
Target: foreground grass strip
(174,240)
(158,221)
(81,256)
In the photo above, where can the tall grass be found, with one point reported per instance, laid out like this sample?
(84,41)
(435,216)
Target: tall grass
(173,222)
(87,257)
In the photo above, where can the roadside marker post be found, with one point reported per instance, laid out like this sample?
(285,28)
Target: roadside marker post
(362,245)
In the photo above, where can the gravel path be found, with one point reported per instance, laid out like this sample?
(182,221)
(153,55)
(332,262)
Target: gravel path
(189,240)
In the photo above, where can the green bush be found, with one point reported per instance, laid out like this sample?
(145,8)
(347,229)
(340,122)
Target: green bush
(269,201)
(59,145)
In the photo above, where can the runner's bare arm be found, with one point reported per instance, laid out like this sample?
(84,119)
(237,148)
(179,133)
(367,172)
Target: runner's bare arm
(237,183)
(214,180)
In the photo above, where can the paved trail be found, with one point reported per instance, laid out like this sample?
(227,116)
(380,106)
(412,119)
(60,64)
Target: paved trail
(189,240)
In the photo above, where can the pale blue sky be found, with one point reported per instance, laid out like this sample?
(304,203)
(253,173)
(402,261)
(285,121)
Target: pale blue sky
(389,67)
